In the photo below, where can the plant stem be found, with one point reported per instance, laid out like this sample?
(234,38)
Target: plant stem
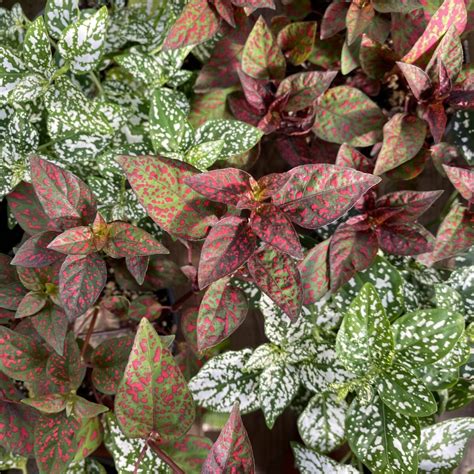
(90,331)
(182,300)
(162,455)
(97,83)
(140,458)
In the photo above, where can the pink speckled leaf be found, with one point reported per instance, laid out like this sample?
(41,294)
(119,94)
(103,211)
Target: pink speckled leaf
(160,186)
(153,397)
(375,59)
(11,294)
(403,137)
(451,12)
(463,181)
(334,19)
(405,239)
(190,452)
(411,168)
(228,246)
(109,360)
(51,323)
(137,266)
(296,41)
(222,310)
(316,195)
(437,119)
(196,24)
(273,227)
(36,279)
(145,306)
(406,28)
(358,19)
(314,271)
(81,281)
(75,241)
(352,158)
(32,303)
(304,88)
(50,403)
(353,247)
(224,10)
(455,234)
(64,196)
(261,57)
(417,79)
(232,451)
(126,240)
(35,253)
(56,442)
(28,211)
(346,115)
(277,275)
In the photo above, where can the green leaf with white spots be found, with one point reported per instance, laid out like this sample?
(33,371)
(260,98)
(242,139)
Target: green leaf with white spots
(264,356)
(443,445)
(82,43)
(385,441)
(11,70)
(402,391)
(58,14)
(309,461)
(321,424)
(301,351)
(223,380)
(170,130)
(203,155)
(460,395)
(86,466)
(10,460)
(37,49)
(447,297)
(365,339)
(143,67)
(462,280)
(425,336)
(125,451)
(277,385)
(238,137)
(323,370)
(28,89)
(386,280)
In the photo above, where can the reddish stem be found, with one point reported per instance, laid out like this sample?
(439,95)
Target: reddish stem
(163,456)
(140,458)
(89,332)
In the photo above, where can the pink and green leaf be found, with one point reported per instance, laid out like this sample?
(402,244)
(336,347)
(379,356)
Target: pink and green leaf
(32,303)
(352,158)
(296,41)
(51,323)
(358,18)
(35,252)
(417,79)
(138,266)
(463,180)
(75,241)
(405,239)
(334,19)
(145,306)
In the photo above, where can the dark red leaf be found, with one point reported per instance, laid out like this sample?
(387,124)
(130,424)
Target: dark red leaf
(405,239)
(460,99)
(137,266)
(417,79)
(436,117)
(334,19)
(352,158)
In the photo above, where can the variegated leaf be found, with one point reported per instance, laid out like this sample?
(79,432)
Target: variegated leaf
(309,461)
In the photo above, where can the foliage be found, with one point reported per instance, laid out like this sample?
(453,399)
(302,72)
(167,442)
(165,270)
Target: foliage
(203,164)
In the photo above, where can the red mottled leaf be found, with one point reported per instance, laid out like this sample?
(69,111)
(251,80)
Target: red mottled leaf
(75,241)
(375,59)
(52,324)
(196,24)
(163,273)
(358,19)
(273,227)
(223,309)
(461,99)
(159,184)
(352,249)
(137,266)
(277,275)
(405,239)
(334,19)
(316,195)
(455,234)
(417,79)
(224,10)
(254,4)
(81,282)
(258,92)
(406,28)
(40,279)
(261,57)
(314,273)
(346,115)
(408,205)
(228,246)
(232,451)
(56,442)
(352,158)
(297,151)
(109,360)
(84,409)
(153,396)
(144,306)
(436,117)
(451,12)
(35,253)
(463,181)
(32,303)
(28,211)
(304,88)
(296,41)
(403,137)
(190,452)
(64,197)
(411,168)
(126,240)
(11,295)
(22,357)
(189,327)
(446,154)
(50,403)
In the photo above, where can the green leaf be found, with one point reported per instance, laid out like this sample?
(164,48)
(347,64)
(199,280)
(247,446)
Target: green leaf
(365,339)
(37,49)
(58,14)
(460,395)
(346,115)
(82,43)
(203,155)
(11,70)
(425,336)
(443,445)
(311,462)
(223,380)
(385,441)
(448,298)
(143,67)
(321,424)
(150,379)
(404,392)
